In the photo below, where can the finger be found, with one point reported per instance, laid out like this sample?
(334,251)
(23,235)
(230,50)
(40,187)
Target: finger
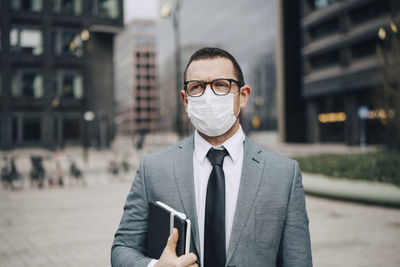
(172,240)
(187,260)
(194,265)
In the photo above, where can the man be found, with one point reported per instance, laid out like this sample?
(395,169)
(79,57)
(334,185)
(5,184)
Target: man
(246,203)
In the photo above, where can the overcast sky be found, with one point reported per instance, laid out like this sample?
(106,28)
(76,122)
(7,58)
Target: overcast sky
(140,9)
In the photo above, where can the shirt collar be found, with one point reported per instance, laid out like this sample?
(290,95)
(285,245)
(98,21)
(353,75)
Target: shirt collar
(232,145)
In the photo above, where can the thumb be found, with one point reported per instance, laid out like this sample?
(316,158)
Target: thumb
(172,241)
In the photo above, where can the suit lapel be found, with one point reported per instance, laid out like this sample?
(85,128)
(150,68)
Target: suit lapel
(183,167)
(252,170)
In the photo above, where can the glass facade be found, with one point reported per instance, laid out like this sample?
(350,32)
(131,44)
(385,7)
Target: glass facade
(364,48)
(71,128)
(27,84)
(343,71)
(70,7)
(44,71)
(26,41)
(68,85)
(31,130)
(369,11)
(27,5)
(326,28)
(319,4)
(106,8)
(68,43)
(72,86)
(325,60)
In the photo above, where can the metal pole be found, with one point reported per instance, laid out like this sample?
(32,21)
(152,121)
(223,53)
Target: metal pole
(178,81)
(363,135)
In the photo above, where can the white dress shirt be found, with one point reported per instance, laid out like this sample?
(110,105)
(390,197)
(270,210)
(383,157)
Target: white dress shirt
(202,168)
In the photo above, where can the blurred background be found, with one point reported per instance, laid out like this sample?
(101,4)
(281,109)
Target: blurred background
(88,87)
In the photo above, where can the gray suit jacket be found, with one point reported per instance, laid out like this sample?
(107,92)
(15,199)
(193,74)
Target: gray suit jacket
(270,227)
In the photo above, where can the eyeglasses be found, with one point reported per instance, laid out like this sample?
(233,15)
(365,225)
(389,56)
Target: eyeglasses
(220,87)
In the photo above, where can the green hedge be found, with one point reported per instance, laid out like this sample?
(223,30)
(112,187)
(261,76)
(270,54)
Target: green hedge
(381,166)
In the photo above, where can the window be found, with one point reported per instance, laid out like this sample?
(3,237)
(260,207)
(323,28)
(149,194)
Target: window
(326,28)
(68,43)
(31,129)
(70,7)
(146,29)
(27,5)
(325,60)
(371,10)
(72,86)
(142,41)
(319,4)
(68,85)
(364,48)
(106,9)
(27,84)
(26,41)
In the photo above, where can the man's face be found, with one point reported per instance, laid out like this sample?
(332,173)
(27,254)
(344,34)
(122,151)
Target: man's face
(214,68)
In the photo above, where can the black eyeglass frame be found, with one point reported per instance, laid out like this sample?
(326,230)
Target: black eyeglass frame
(185,83)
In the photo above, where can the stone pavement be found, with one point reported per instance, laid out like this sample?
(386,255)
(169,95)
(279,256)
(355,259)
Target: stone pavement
(74,225)
(70,226)
(356,235)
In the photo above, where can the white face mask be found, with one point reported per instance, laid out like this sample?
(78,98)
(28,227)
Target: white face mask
(210,114)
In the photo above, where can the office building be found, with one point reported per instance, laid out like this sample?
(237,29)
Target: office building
(56,72)
(339,46)
(136,89)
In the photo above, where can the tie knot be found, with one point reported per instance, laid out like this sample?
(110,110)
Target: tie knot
(216,156)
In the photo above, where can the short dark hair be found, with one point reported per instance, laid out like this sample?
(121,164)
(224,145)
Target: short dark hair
(214,52)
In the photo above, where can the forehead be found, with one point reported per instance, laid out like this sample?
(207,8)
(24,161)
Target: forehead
(210,68)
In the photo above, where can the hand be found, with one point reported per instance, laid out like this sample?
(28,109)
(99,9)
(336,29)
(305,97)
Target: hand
(170,259)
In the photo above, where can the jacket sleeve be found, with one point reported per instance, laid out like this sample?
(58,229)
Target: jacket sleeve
(295,246)
(129,247)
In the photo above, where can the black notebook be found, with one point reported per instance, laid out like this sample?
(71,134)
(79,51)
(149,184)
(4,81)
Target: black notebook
(162,220)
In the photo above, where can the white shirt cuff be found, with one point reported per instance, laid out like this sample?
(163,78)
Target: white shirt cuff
(152,263)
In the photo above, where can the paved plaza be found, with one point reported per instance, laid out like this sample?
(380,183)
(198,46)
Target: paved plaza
(74,225)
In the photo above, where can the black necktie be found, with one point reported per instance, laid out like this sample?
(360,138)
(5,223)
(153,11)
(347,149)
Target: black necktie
(214,228)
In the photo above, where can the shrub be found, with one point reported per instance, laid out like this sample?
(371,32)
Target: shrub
(383,166)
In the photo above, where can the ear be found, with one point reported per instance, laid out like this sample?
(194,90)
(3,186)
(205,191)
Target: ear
(245,93)
(184,99)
